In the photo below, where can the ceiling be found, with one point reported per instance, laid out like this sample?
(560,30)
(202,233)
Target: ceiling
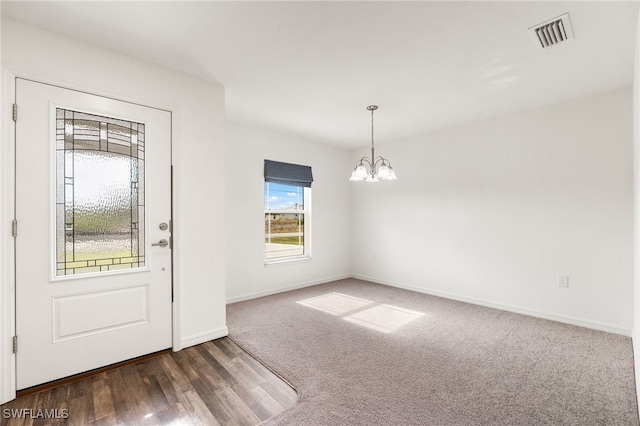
(312,68)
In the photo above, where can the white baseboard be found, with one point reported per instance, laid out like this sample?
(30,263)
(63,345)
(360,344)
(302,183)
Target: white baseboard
(269,292)
(196,339)
(609,328)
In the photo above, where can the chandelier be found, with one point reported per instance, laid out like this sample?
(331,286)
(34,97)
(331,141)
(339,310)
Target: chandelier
(379,167)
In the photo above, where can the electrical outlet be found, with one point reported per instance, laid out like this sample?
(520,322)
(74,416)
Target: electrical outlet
(563,281)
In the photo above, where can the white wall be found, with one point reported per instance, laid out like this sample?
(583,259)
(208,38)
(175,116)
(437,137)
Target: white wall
(197,136)
(636,207)
(493,212)
(247,275)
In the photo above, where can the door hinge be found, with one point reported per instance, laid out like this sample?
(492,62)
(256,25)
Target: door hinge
(15,112)
(14,228)
(15,344)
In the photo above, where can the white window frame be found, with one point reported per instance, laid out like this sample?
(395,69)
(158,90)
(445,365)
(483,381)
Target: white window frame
(306,212)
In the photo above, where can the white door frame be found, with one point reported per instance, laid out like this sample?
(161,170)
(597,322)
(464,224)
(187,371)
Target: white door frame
(7,253)
(7,214)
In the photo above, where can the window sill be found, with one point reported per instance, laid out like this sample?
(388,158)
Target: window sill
(285,261)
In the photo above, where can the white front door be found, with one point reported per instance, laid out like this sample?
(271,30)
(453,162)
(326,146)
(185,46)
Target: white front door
(93,200)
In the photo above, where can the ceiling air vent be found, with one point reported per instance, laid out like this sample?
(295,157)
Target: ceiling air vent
(552,32)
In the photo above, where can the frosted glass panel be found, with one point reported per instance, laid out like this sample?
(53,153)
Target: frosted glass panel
(100,197)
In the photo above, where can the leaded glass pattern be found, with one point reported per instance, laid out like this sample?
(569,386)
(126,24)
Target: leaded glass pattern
(99,193)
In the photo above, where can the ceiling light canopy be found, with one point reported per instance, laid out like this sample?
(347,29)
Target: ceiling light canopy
(379,168)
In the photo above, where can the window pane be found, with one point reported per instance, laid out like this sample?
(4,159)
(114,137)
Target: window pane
(284,234)
(283,197)
(100,197)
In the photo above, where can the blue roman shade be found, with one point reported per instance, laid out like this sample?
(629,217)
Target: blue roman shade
(287,174)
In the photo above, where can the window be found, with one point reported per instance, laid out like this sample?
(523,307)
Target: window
(99,193)
(287,211)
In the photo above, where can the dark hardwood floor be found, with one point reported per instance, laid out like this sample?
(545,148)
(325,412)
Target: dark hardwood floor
(215,383)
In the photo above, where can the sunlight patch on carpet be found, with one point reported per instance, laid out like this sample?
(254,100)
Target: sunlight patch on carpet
(366,313)
(335,303)
(384,318)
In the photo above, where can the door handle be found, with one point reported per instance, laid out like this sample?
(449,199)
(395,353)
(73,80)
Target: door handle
(161,243)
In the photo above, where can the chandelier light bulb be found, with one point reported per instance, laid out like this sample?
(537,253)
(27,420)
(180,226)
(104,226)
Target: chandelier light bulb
(391,175)
(359,173)
(383,172)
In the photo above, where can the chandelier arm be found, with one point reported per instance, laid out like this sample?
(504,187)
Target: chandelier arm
(365,160)
(382,160)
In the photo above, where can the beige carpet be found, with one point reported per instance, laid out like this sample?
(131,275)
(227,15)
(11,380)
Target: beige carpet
(365,354)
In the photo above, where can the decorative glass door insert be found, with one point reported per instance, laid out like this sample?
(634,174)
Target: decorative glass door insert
(99,193)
